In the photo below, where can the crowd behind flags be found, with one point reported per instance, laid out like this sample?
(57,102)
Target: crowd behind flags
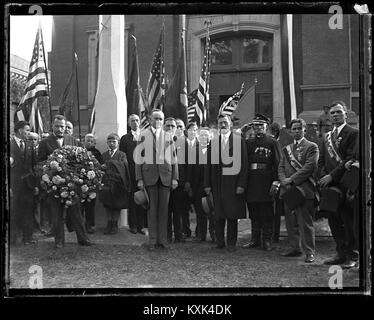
(36,86)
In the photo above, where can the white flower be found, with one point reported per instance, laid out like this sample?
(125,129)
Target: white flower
(72,193)
(64,194)
(59,169)
(56,179)
(45,178)
(54,188)
(68,203)
(92,195)
(91,174)
(84,188)
(83,170)
(80,181)
(53,164)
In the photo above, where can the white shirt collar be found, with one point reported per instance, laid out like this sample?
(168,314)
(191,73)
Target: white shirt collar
(298,141)
(18,140)
(191,142)
(135,133)
(113,152)
(226,135)
(156,131)
(340,128)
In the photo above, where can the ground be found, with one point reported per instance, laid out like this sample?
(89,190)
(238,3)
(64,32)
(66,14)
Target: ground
(120,261)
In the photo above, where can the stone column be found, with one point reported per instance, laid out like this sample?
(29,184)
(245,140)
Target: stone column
(278,95)
(110,104)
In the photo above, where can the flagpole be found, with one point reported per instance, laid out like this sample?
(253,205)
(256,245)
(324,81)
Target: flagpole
(163,80)
(46,75)
(79,109)
(208,24)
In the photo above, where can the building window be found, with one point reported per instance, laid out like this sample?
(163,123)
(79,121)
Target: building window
(241,52)
(222,52)
(255,51)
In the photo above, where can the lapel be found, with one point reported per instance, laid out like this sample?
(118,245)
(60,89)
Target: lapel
(53,142)
(16,149)
(341,137)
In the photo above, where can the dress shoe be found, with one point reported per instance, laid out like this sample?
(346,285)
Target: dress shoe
(90,229)
(109,227)
(231,248)
(28,242)
(349,264)
(140,231)
(151,247)
(162,246)
(292,253)
(49,234)
(86,243)
(179,240)
(133,230)
(335,260)
(267,246)
(309,258)
(251,244)
(59,245)
(220,246)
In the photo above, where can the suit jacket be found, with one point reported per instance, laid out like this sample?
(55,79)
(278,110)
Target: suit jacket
(128,145)
(149,170)
(227,204)
(118,155)
(345,145)
(24,162)
(50,144)
(307,155)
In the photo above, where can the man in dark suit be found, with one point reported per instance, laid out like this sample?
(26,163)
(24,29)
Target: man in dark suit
(339,147)
(227,180)
(156,171)
(298,167)
(22,184)
(128,143)
(54,141)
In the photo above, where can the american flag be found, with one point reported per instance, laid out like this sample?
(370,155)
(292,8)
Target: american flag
(143,110)
(192,104)
(203,90)
(156,82)
(36,86)
(229,106)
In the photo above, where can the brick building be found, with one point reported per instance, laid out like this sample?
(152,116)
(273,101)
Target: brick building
(245,47)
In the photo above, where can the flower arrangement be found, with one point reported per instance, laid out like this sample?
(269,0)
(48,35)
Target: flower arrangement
(70,174)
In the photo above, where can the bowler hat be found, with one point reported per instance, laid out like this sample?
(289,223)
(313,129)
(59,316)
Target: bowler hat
(141,198)
(207,203)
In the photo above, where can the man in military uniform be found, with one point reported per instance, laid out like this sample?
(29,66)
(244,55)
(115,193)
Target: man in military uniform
(263,184)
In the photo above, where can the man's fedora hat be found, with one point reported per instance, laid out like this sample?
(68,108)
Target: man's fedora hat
(141,198)
(207,203)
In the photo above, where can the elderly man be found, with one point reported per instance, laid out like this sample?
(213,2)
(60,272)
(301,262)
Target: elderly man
(298,167)
(339,148)
(56,140)
(227,180)
(156,171)
(128,143)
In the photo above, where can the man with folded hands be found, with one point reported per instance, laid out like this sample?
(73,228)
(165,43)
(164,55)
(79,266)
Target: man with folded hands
(296,172)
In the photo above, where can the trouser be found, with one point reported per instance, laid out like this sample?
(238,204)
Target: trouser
(136,215)
(232,231)
(88,211)
(299,224)
(202,220)
(36,214)
(174,223)
(278,213)
(112,214)
(73,217)
(158,213)
(342,228)
(262,221)
(21,215)
(46,213)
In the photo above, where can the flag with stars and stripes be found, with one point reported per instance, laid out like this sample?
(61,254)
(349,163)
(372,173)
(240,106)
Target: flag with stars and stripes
(192,104)
(144,123)
(230,105)
(203,89)
(156,82)
(36,86)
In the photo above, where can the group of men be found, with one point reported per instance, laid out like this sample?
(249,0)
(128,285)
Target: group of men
(236,173)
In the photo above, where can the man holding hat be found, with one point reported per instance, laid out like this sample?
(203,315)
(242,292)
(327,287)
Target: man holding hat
(297,171)
(339,147)
(226,178)
(156,172)
(263,184)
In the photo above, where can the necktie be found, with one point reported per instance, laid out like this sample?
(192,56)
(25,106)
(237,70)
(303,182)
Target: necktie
(334,134)
(111,153)
(295,146)
(22,145)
